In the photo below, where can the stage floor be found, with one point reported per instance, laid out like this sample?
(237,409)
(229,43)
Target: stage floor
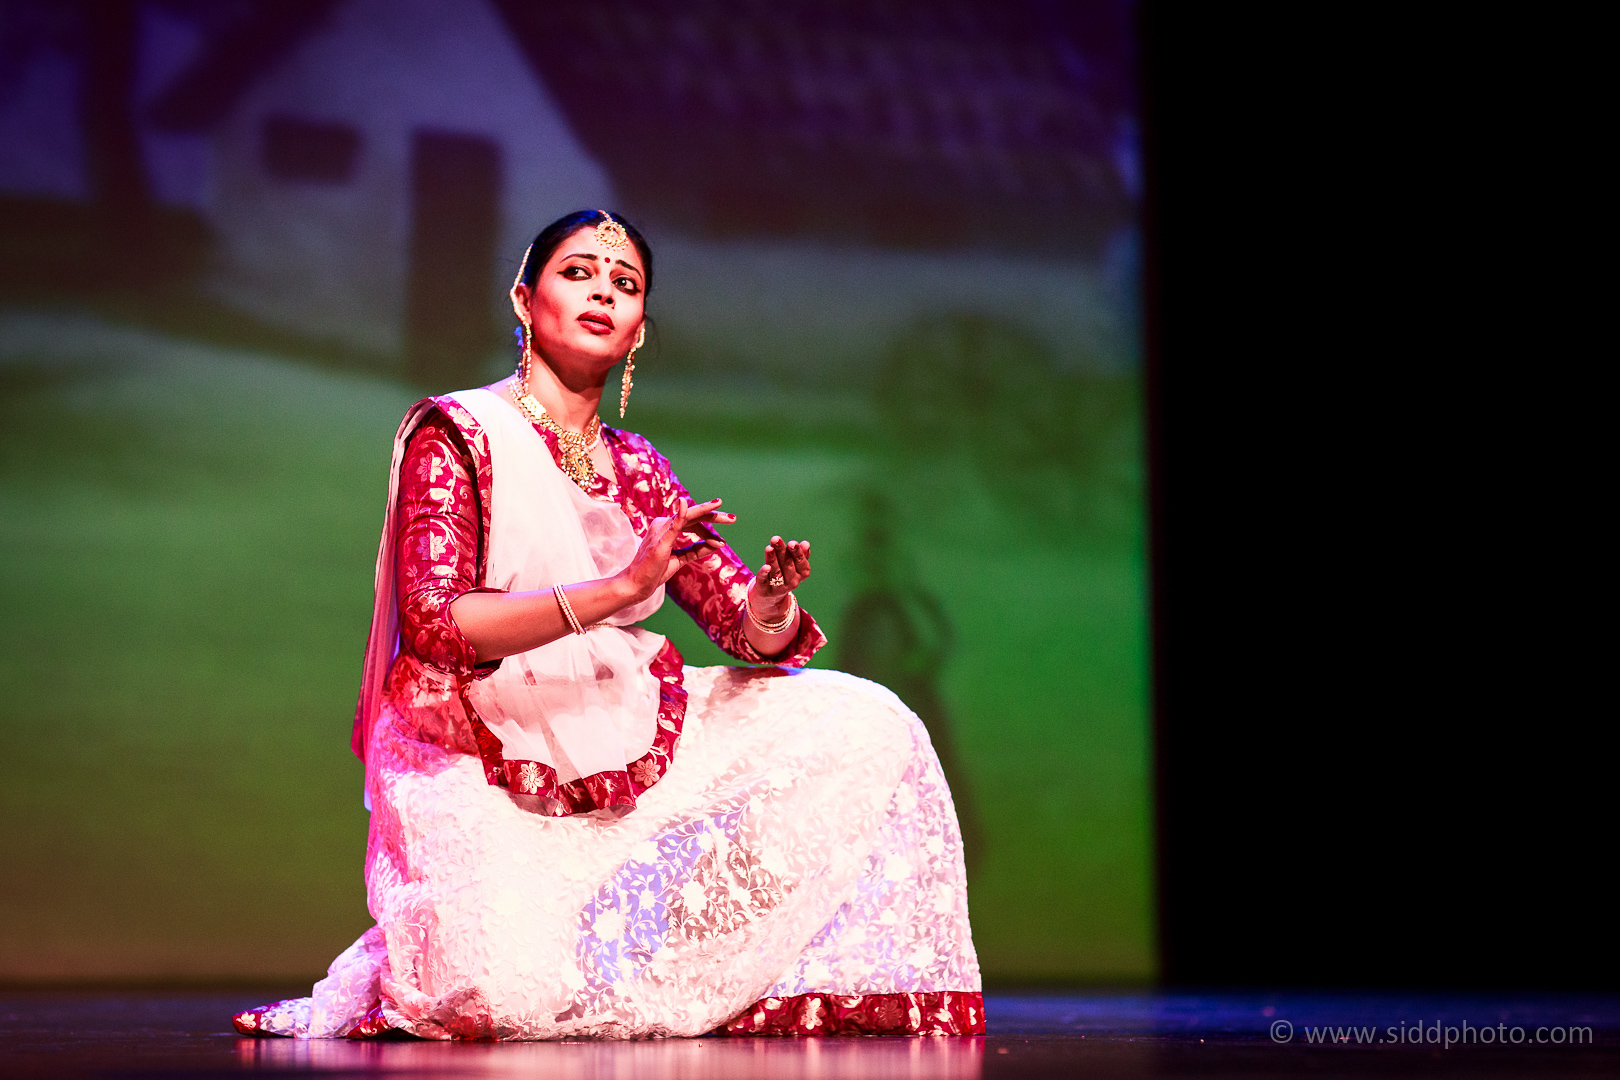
(62,1034)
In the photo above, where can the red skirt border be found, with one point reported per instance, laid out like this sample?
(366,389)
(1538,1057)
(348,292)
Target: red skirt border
(945,1012)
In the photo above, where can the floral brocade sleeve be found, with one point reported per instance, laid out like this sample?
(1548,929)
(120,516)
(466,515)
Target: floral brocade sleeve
(711,590)
(437,553)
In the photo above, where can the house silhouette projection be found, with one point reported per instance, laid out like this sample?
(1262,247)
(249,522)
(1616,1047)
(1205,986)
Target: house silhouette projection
(371,170)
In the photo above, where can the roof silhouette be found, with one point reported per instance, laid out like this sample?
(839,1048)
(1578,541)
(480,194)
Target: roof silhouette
(1005,124)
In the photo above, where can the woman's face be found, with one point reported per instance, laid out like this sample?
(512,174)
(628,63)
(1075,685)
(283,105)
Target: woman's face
(586,304)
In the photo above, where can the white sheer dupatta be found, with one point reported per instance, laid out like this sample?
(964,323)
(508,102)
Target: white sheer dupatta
(382,645)
(585,703)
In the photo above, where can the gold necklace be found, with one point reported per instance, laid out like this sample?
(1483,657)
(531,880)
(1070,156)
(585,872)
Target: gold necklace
(576,445)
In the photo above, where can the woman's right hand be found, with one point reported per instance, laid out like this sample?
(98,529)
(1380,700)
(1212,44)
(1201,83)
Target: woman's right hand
(670,543)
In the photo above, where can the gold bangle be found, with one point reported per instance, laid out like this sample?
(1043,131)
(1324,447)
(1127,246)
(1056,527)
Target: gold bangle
(567,609)
(781,624)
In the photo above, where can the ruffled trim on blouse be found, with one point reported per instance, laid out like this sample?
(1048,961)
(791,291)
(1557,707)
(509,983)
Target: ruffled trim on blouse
(613,791)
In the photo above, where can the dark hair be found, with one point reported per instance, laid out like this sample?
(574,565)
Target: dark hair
(550,238)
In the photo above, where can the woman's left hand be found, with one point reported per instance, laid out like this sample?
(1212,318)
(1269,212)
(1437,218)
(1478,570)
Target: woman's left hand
(787,562)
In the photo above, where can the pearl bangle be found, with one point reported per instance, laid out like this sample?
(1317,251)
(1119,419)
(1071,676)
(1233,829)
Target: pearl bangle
(781,625)
(567,609)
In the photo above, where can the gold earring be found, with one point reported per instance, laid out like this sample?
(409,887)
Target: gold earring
(629,369)
(523,360)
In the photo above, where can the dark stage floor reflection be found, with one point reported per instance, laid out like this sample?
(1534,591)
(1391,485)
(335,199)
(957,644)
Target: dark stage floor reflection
(1091,1035)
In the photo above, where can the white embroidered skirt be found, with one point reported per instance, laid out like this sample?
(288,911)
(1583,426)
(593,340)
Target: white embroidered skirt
(802,842)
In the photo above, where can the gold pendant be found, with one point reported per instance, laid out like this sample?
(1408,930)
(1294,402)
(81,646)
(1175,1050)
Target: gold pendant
(577,462)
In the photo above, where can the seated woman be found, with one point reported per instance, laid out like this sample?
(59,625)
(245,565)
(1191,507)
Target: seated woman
(571,833)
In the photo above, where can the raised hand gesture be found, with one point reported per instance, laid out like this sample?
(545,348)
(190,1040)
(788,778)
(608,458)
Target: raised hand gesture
(786,566)
(671,542)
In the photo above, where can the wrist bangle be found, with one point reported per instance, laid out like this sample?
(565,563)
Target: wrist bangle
(780,625)
(567,609)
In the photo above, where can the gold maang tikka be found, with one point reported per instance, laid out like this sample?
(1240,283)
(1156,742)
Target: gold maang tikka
(611,235)
(630,367)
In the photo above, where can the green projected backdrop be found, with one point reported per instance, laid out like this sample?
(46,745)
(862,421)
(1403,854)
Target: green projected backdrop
(188,535)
